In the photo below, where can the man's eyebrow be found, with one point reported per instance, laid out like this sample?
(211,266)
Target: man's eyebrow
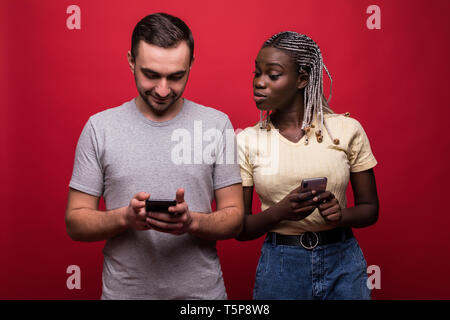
(147,70)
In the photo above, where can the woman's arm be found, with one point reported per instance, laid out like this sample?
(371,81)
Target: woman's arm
(365,211)
(295,206)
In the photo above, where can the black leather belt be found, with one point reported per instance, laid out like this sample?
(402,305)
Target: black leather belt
(310,240)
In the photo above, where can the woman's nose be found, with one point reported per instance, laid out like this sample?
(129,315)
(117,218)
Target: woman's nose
(259,83)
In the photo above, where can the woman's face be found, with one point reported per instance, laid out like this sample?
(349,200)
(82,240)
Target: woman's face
(276,83)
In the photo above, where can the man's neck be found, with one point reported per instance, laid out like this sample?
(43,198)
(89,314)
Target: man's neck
(151,114)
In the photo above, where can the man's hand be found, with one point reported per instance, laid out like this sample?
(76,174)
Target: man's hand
(177,221)
(135,212)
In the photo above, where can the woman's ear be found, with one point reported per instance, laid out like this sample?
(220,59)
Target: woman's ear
(302,79)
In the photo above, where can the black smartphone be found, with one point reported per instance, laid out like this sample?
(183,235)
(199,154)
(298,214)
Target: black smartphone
(159,205)
(318,184)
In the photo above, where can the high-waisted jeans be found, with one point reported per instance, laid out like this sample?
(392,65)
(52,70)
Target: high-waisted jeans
(332,271)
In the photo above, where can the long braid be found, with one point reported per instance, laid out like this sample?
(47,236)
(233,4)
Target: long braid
(308,58)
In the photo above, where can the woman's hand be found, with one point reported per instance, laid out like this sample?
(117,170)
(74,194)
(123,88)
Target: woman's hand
(329,207)
(296,205)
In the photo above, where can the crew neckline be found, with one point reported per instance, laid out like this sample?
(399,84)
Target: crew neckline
(144,119)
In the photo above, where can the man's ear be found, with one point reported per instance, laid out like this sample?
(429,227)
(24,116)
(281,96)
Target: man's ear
(192,62)
(302,79)
(131,61)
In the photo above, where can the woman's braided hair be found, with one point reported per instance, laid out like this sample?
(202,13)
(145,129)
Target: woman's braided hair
(307,58)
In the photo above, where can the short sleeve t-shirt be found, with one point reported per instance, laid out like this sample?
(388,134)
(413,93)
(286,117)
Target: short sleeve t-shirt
(275,166)
(120,153)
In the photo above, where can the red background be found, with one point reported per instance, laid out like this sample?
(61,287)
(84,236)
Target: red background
(393,80)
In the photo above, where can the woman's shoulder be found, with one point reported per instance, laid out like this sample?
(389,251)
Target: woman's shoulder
(344,128)
(248,130)
(342,121)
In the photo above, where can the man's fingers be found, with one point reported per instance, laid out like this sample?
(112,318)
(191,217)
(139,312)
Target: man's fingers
(141,196)
(180,208)
(143,225)
(167,217)
(164,226)
(180,195)
(141,214)
(137,204)
(138,201)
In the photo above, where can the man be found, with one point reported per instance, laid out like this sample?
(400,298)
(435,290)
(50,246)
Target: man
(132,153)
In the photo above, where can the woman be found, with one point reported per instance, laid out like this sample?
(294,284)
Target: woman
(309,251)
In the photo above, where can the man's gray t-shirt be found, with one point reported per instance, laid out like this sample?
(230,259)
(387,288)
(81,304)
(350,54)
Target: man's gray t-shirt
(121,153)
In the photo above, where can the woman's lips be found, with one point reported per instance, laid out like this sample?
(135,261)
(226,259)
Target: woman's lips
(259,97)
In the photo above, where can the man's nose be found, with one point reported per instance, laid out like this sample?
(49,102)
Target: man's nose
(162,89)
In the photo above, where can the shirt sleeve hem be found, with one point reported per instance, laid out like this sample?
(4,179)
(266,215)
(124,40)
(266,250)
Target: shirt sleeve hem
(80,187)
(365,166)
(247,182)
(227,183)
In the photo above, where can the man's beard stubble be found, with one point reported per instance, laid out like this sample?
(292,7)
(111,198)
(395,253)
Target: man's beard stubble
(157,109)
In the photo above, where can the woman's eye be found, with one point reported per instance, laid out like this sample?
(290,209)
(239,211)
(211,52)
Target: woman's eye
(257,74)
(274,76)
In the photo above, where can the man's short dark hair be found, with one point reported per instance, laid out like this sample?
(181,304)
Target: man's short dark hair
(162,30)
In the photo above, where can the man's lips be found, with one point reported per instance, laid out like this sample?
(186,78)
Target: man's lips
(160,100)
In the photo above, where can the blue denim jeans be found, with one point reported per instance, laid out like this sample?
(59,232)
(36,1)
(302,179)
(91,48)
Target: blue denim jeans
(332,271)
